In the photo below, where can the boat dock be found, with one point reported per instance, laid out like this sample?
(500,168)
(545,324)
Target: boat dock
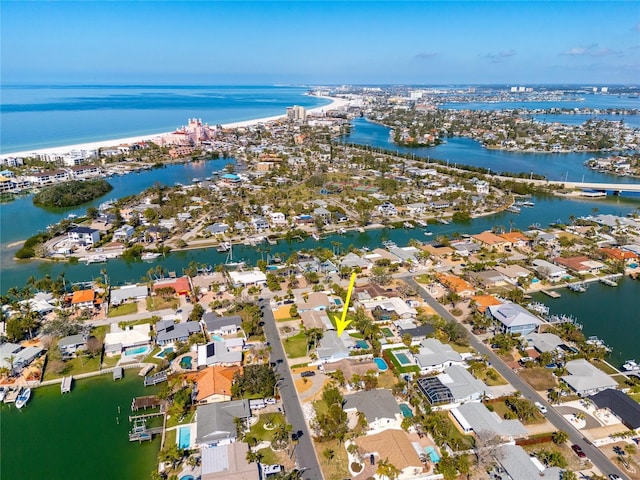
(118,373)
(150,401)
(551,293)
(11,396)
(65,386)
(610,280)
(155,379)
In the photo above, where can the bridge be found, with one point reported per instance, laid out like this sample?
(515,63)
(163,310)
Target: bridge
(616,188)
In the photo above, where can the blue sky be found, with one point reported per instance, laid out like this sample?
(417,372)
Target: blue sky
(320,42)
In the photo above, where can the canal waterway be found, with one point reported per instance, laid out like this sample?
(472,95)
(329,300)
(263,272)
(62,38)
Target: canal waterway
(77,435)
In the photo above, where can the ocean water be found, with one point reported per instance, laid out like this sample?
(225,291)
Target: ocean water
(40,116)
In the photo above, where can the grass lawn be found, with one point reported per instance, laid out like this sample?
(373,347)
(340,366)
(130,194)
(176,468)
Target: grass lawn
(387,379)
(501,409)
(490,376)
(635,396)
(423,278)
(295,346)
(100,332)
(268,456)
(260,432)
(108,362)
(539,378)
(124,309)
(170,438)
(75,366)
(605,367)
(336,468)
(160,303)
(460,348)
(172,421)
(399,368)
(574,462)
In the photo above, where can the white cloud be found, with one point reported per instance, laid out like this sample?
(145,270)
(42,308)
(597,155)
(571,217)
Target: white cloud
(498,57)
(592,50)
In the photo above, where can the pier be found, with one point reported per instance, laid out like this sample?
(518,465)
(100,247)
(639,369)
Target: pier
(65,386)
(118,373)
(11,396)
(143,372)
(551,293)
(610,280)
(150,401)
(151,380)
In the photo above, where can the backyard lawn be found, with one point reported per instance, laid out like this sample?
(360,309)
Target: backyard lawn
(75,366)
(160,303)
(334,468)
(295,346)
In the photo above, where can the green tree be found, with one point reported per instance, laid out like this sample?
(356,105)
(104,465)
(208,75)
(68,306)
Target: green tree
(197,313)
(559,437)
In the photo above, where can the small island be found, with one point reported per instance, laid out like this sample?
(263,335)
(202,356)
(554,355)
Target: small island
(71,194)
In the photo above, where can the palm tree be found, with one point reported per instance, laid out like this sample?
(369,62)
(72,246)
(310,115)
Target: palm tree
(387,469)
(281,434)
(328,454)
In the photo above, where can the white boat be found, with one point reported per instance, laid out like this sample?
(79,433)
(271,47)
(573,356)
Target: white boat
(513,209)
(342,231)
(3,393)
(96,259)
(578,287)
(72,216)
(528,204)
(224,247)
(422,223)
(315,236)
(149,256)
(428,233)
(389,244)
(23,397)
(408,225)
(631,366)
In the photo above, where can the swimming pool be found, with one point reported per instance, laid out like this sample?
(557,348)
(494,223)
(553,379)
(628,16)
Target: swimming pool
(217,338)
(362,344)
(136,351)
(402,358)
(406,411)
(184,437)
(382,365)
(337,301)
(387,332)
(188,477)
(185,363)
(433,455)
(163,353)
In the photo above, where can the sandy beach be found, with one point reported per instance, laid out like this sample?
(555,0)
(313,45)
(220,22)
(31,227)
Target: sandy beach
(335,103)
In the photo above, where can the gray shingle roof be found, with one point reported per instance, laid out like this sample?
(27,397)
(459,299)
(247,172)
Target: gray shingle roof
(215,421)
(375,404)
(621,405)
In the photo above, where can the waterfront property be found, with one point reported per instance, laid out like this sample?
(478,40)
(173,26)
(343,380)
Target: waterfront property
(619,404)
(216,422)
(167,331)
(228,462)
(512,318)
(586,379)
(118,341)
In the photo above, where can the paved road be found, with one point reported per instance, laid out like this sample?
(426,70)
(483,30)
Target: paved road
(304,451)
(575,436)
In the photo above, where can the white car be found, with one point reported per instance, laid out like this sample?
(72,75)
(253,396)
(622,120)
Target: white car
(542,408)
(270,401)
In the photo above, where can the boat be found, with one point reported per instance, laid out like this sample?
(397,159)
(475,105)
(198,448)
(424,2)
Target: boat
(513,209)
(528,204)
(72,216)
(342,231)
(96,259)
(534,226)
(422,223)
(224,247)
(407,225)
(539,308)
(23,397)
(3,393)
(577,287)
(631,366)
(443,221)
(428,233)
(315,236)
(609,282)
(196,180)
(389,244)
(149,256)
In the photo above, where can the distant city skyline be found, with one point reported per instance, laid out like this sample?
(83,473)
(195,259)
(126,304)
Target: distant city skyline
(230,43)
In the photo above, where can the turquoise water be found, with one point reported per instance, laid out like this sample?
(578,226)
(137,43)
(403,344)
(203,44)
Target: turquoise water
(402,358)
(382,365)
(406,410)
(433,455)
(164,352)
(136,351)
(187,477)
(35,117)
(185,362)
(217,338)
(362,344)
(184,437)
(78,435)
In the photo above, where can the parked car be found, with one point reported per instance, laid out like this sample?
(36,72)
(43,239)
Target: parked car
(578,450)
(541,408)
(308,373)
(613,476)
(270,401)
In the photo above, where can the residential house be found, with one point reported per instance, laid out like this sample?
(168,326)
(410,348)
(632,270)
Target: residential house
(489,278)
(513,273)
(315,301)
(83,298)
(475,417)
(388,307)
(512,318)
(333,348)
(259,223)
(351,260)
(519,465)
(323,214)
(15,358)
(586,379)
(456,285)
(215,422)
(169,332)
(395,447)
(581,265)
(378,406)
(387,209)
(417,332)
(278,219)
(71,344)
(516,239)
(545,342)
(84,236)
(123,234)
(217,229)
(621,405)
(435,356)
(482,302)
(47,178)
(418,208)
(548,270)
(216,325)
(229,462)
(218,353)
(247,278)
(121,295)
(213,384)
(118,340)
(180,285)
(491,241)
(453,386)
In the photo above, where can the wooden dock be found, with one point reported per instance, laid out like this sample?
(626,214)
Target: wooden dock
(155,379)
(11,396)
(145,370)
(150,401)
(65,386)
(118,373)
(551,293)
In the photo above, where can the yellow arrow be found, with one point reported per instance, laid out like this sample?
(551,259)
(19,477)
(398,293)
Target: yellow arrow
(342,323)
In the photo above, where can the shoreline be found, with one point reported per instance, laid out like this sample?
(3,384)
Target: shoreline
(336,102)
